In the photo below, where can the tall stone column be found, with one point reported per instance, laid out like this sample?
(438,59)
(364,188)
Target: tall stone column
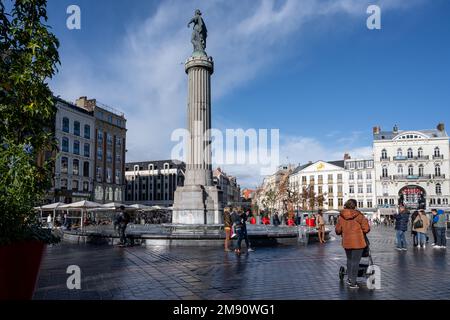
(198,201)
(198,162)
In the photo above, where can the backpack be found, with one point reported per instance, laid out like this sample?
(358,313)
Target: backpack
(418,224)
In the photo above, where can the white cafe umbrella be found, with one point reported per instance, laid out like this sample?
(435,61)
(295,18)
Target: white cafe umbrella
(82,205)
(50,207)
(139,206)
(159,208)
(115,205)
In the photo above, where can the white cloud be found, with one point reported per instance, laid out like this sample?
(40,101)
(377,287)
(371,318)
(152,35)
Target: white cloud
(145,76)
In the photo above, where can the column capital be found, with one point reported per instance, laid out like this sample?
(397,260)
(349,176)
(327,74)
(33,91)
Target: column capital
(200,61)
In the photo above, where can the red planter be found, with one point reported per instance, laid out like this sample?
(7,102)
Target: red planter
(19,269)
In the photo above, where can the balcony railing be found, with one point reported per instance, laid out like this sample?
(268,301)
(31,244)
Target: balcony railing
(385,178)
(439,177)
(412,177)
(421,158)
(436,157)
(385,159)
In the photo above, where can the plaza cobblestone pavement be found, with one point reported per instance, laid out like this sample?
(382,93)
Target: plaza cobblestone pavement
(279,273)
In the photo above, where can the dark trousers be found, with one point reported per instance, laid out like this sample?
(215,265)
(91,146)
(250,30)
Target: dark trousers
(433,229)
(415,239)
(242,235)
(122,235)
(353,259)
(441,239)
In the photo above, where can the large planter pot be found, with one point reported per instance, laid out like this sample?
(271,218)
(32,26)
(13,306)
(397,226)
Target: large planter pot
(19,269)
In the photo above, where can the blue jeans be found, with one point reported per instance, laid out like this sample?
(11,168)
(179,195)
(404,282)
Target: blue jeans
(242,235)
(441,237)
(401,239)
(422,238)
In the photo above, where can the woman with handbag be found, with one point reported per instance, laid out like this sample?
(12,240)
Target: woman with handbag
(420,225)
(353,226)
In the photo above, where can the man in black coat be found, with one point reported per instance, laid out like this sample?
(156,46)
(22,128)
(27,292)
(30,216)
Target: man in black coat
(401,226)
(122,221)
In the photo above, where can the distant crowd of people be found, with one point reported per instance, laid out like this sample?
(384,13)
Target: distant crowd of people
(419,224)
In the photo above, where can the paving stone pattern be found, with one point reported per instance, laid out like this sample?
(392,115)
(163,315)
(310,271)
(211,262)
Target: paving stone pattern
(280,273)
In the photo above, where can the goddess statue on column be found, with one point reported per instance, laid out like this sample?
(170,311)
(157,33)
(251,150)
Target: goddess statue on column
(199,32)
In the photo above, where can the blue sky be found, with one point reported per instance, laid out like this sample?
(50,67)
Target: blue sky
(310,68)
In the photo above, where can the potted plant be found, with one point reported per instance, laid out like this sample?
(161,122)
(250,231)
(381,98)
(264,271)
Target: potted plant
(28,58)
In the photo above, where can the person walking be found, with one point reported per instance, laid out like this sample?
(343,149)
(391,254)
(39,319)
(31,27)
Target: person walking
(320,226)
(414,232)
(440,226)
(353,226)
(420,225)
(240,220)
(122,222)
(227,227)
(433,229)
(401,226)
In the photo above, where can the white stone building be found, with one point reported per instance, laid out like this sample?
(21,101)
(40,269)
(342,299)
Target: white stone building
(74,167)
(339,181)
(410,165)
(361,183)
(327,178)
(272,183)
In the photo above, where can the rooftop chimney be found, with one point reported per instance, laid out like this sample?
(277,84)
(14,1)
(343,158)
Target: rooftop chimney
(86,104)
(376,130)
(347,156)
(395,130)
(441,127)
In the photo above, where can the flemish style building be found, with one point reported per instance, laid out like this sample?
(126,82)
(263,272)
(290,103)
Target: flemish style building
(109,149)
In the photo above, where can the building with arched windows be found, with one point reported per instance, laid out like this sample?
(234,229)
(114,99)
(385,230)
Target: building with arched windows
(153,182)
(412,166)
